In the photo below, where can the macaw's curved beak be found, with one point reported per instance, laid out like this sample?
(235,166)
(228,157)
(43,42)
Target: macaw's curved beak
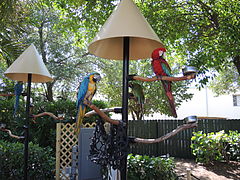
(96,78)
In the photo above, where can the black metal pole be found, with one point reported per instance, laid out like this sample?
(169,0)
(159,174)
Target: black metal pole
(126,42)
(26,134)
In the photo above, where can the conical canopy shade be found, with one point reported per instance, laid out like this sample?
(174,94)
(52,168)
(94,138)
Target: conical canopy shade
(29,62)
(125,21)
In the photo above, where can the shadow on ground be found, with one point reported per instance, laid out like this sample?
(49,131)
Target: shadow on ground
(218,171)
(229,170)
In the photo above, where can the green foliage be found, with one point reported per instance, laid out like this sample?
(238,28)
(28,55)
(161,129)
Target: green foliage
(7,108)
(203,32)
(218,146)
(43,130)
(198,33)
(234,145)
(6,117)
(227,81)
(150,168)
(41,162)
(11,31)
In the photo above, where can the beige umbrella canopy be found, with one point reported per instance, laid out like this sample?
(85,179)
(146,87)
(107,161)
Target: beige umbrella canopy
(28,67)
(125,21)
(126,35)
(29,62)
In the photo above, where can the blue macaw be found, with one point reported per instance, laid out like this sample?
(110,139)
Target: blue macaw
(18,88)
(86,92)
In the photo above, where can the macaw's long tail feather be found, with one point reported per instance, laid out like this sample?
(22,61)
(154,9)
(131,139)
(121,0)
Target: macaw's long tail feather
(79,119)
(172,107)
(168,91)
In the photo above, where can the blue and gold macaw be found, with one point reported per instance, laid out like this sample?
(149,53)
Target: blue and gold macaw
(18,88)
(86,92)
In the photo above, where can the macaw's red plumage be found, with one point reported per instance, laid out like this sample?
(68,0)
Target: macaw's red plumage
(161,68)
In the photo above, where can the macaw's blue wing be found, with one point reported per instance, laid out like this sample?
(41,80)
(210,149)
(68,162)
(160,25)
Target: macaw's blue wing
(82,91)
(18,88)
(81,108)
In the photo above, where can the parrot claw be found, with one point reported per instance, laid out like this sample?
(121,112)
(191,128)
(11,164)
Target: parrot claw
(87,102)
(159,78)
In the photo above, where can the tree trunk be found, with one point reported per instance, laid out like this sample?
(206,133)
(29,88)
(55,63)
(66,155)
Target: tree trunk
(42,43)
(236,62)
(49,93)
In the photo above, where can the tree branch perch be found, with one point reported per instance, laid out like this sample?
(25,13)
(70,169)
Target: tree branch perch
(106,110)
(166,136)
(102,114)
(165,78)
(10,133)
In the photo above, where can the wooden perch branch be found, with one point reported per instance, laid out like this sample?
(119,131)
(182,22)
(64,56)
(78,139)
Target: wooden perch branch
(167,136)
(10,133)
(106,110)
(2,94)
(101,114)
(166,78)
(46,114)
(7,94)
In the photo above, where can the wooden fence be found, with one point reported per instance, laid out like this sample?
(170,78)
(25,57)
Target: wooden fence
(65,140)
(179,145)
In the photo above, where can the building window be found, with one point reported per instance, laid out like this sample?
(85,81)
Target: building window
(236,100)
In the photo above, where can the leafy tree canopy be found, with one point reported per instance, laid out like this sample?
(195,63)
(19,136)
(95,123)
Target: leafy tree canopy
(226,81)
(202,33)
(205,32)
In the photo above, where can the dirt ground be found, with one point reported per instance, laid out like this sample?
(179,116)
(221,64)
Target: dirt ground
(218,171)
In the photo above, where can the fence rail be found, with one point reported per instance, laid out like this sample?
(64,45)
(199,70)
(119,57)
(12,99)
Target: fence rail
(176,146)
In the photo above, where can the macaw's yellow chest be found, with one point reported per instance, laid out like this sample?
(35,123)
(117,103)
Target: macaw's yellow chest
(91,87)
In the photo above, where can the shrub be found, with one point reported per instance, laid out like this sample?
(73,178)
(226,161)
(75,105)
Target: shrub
(234,146)
(40,163)
(150,168)
(217,146)
(44,131)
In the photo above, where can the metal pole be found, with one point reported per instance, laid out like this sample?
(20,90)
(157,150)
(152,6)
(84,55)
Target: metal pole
(26,134)
(125,95)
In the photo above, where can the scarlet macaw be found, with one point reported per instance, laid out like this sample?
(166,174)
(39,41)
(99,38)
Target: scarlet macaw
(162,68)
(86,92)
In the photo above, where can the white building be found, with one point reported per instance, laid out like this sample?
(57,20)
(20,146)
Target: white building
(205,104)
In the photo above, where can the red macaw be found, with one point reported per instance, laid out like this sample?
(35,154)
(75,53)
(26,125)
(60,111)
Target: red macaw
(162,68)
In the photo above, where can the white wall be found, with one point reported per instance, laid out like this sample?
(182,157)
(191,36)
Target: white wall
(203,104)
